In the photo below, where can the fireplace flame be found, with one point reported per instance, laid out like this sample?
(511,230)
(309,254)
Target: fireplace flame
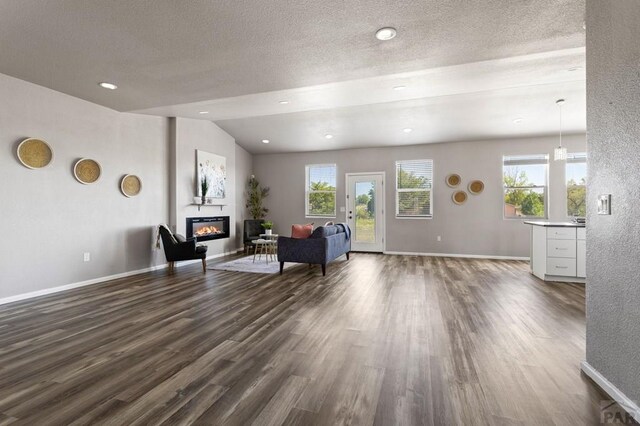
(207,230)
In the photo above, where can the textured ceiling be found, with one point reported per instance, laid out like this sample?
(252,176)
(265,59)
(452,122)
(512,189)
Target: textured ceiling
(236,58)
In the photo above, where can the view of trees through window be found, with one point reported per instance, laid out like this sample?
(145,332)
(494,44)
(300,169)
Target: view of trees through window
(321,191)
(576,175)
(525,184)
(524,179)
(413,187)
(365,212)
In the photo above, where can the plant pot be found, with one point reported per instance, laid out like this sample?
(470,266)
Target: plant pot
(204,199)
(267,231)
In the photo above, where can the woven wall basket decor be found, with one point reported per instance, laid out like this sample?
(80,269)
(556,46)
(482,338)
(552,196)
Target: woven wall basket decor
(35,153)
(476,187)
(87,171)
(131,185)
(453,180)
(459,197)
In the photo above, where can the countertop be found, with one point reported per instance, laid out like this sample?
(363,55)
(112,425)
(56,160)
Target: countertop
(555,224)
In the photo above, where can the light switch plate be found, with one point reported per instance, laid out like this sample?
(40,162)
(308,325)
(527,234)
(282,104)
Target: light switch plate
(342,210)
(604,204)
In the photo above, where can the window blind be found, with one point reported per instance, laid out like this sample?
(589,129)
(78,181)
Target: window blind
(414,174)
(414,183)
(523,160)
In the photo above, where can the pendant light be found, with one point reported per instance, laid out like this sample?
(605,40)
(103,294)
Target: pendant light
(560,153)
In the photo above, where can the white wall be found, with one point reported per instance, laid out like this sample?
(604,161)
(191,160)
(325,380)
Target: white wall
(48,219)
(476,228)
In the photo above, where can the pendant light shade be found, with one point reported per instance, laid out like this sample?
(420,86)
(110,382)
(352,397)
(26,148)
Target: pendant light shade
(560,153)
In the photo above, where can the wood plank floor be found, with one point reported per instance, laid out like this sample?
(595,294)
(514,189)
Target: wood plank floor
(385,340)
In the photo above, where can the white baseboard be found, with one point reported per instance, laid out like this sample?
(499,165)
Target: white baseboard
(92,281)
(631,407)
(468,256)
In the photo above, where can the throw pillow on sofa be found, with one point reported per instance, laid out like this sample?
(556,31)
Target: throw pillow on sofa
(301,231)
(324,231)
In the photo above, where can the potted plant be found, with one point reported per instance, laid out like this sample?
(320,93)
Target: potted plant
(204,187)
(268,227)
(255,196)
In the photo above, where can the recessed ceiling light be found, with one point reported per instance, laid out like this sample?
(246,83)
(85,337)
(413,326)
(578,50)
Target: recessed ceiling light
(328,136)
(265,140)
(518,120)
(399,87)
(386,33)
(203,112)
(407,130)
(284,102)
(109,86)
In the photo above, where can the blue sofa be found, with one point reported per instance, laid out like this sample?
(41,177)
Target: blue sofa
(325,244)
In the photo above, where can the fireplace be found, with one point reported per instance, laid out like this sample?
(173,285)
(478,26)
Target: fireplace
(208,228)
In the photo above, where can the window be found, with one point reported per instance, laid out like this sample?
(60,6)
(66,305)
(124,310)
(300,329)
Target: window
(576,175)
(525,186)
(414,181)
(321,190)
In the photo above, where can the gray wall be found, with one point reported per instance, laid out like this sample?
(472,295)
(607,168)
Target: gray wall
(613,242)
(192,135)
(476,227)
(49,219)
(244,169)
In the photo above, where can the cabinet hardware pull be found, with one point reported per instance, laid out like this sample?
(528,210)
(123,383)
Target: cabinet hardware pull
(560,248)
(562,267)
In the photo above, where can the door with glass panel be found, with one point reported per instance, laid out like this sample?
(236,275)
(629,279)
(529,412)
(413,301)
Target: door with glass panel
(365,211)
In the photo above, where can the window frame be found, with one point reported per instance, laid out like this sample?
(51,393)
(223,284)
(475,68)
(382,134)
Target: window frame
(307,191)
(531,161)
(571,159)
(399,190)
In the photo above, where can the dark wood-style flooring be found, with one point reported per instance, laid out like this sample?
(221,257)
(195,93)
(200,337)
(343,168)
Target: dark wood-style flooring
(388,340)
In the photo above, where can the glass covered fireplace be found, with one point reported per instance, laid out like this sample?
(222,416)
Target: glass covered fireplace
(208,228)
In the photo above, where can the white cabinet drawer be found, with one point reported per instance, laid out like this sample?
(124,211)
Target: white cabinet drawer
(581,258)
(558,233)
(561,248)
(581,233)
(562,267)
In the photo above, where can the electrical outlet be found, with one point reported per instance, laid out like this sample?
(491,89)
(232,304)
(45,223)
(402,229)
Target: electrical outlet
(439,238)
(87,257)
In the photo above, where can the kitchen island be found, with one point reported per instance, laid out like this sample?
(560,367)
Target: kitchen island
(558,251)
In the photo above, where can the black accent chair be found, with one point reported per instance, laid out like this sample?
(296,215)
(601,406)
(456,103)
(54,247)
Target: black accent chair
(177,248)
(252,230)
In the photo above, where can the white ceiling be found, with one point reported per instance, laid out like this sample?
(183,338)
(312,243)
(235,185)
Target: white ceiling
(469,66)
(461,102)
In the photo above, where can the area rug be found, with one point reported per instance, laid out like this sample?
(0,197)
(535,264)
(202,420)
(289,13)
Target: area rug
(246,264)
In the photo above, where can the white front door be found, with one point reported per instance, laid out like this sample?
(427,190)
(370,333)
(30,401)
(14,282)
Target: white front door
(365,211)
